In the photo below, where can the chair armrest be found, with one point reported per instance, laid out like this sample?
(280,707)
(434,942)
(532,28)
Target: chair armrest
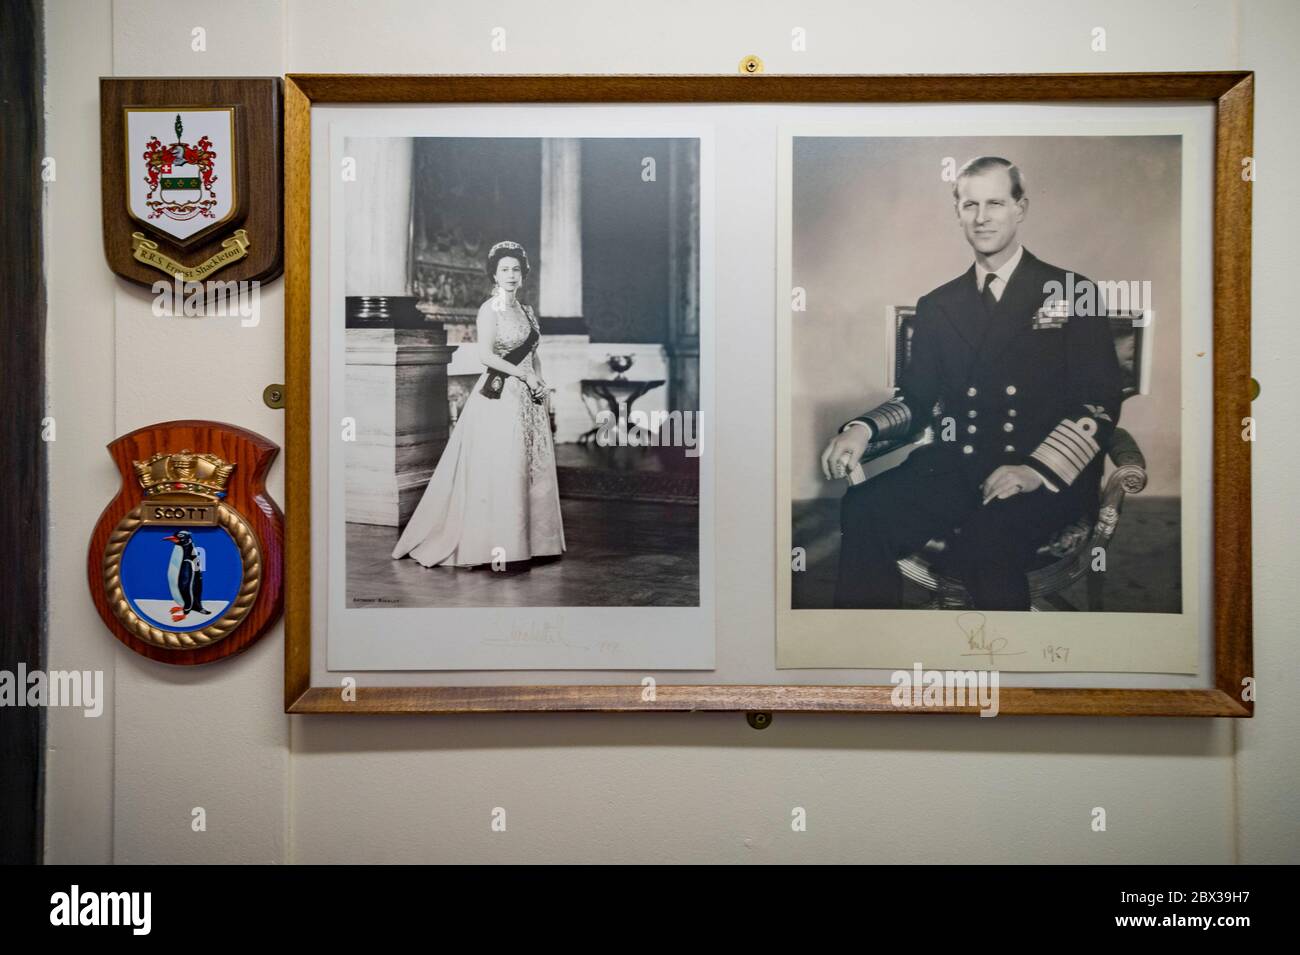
(878,449)
(1130,474)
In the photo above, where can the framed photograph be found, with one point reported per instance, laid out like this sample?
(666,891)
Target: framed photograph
(544,334)
(1081,394)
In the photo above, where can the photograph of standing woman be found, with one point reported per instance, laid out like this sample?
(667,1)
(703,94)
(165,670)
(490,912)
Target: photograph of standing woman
(502,297)
(494,495)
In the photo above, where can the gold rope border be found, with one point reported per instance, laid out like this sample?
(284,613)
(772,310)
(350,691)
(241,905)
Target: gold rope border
(249,550)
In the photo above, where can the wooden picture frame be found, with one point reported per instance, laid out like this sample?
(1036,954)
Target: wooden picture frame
(1231,93)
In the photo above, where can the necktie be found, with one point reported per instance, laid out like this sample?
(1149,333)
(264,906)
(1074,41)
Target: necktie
(987,297)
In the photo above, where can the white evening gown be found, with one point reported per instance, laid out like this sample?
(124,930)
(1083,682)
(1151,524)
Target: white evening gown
(495,485)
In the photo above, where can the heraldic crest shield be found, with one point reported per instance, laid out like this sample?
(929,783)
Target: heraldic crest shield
(182,169)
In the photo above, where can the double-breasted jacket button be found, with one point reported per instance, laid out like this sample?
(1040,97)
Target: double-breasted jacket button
(972,413)
(1011,389)
(1011,412)
(1009,448)
(971,392)
(1008,426)
(970,429)
(967,449)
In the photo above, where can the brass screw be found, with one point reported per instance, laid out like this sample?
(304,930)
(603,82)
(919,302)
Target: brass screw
(273,396)
(751,65)
(759,720)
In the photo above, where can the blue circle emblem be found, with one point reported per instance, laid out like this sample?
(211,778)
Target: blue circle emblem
(181,578)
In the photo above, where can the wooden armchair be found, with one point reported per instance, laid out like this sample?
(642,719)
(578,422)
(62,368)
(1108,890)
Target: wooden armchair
(1068,554)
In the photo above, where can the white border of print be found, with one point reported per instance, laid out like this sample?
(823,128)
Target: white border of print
(486,638)
(1105,642)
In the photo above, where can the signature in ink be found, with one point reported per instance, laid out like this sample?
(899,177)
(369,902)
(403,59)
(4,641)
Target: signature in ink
(547,634)
(979,642)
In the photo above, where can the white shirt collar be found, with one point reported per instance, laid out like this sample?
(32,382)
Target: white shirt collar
(1003,273)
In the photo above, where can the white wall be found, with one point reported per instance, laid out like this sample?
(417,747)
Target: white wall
(647,787)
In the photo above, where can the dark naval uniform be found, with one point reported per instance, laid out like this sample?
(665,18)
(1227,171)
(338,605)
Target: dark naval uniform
(1028,379)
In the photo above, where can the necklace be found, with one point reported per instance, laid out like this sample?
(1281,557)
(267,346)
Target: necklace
(501,304)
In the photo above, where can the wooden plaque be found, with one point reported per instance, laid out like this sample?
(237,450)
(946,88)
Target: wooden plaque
(198,477)
(248,182)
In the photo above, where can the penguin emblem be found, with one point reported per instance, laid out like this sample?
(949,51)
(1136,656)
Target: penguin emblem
(177,559)
(185,576)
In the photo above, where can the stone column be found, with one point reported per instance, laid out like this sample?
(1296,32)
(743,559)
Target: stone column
(396,358)
(683,345)
(560,289)
(563,350)
(377,207)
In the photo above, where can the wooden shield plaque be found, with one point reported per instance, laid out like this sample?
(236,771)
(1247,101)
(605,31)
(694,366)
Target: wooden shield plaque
(192,174)
(185,564)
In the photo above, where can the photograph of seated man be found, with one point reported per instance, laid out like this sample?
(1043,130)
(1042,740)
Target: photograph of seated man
(1029,392)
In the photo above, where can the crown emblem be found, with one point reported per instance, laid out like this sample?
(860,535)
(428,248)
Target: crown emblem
(184,473)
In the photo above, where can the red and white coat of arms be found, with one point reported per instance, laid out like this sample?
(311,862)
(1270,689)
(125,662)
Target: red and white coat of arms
(181,173)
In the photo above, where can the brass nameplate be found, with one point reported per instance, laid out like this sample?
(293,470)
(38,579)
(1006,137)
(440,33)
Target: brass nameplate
(232,250)
(179,513)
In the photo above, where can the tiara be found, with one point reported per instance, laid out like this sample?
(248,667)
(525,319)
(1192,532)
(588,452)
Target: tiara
(504,245)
